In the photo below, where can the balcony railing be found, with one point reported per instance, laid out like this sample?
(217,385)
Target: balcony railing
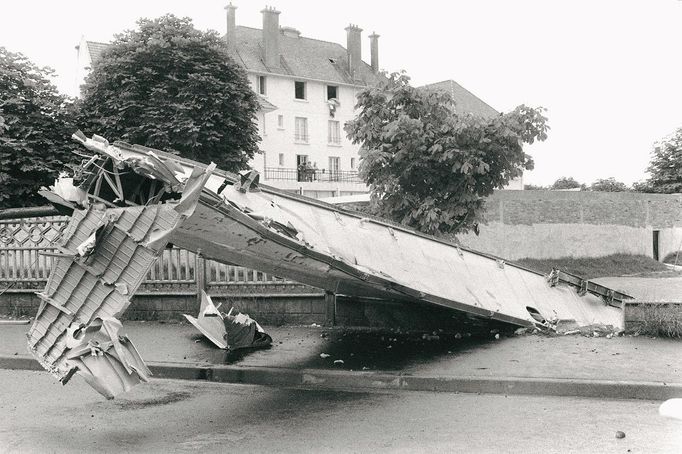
(322,175)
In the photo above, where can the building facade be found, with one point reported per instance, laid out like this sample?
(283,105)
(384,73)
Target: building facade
(312,86)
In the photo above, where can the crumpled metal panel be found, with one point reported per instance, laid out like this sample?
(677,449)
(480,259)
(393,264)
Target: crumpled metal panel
(82,289)
(318,244)
(228,331)
(346,254)
(106,360)
(209,322)
(237,221)
(105,254)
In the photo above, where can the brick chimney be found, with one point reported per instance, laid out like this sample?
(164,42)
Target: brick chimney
(374,49)
(231,35)
(271,37)
(354,49)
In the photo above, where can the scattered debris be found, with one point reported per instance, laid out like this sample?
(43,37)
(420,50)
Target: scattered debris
(228,331)
(244,332)
(324,355)
(209,322)
(338,361)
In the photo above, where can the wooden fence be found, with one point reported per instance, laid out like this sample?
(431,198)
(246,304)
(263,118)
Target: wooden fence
(24,267)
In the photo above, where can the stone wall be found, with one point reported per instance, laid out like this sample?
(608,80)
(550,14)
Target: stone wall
(552,224)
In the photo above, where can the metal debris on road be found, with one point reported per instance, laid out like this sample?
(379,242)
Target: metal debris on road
(129,201)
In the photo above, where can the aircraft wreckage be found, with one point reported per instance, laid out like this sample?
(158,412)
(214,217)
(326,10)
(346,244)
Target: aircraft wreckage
(132,201)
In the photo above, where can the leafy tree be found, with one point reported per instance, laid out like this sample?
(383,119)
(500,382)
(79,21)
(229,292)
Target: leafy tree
(429,167)
(167,85)
(608,185)
(641,186)
(566,183)
(665,168)
(35,130)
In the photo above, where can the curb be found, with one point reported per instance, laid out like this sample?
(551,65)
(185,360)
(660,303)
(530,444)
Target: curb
(366,381)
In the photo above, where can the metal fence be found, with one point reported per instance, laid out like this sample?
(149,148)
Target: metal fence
(322,175)
(23,265)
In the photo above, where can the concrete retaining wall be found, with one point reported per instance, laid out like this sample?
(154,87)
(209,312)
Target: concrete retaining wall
(552,224)
(283,309)
(294,309)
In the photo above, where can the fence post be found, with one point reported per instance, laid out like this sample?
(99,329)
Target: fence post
(330,303)
(200,274)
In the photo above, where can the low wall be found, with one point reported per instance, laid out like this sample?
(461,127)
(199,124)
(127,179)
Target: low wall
(273,309)
(553,224)
(283,309)
(653,318)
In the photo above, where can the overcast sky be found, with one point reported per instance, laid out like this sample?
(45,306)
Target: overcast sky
(609,72)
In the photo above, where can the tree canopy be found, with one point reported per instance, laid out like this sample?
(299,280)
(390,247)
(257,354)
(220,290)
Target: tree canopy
(665,168)
(608,185)
(35,130)
(430,167)
(566,183)
(167,85)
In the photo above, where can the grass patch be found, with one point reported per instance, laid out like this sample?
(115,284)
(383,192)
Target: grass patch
(672,258)
(658,319)
(592,267)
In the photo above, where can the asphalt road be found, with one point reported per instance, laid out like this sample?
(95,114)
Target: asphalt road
(37,414)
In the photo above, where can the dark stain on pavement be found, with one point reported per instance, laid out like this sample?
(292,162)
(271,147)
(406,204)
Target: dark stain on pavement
(169,398)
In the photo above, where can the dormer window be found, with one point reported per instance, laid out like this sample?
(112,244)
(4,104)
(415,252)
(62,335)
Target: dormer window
(262,85)
(299,90)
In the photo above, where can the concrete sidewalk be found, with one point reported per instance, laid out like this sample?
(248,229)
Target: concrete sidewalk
(666,287)
(620,367)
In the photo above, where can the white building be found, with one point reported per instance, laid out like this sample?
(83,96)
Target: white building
(313,85)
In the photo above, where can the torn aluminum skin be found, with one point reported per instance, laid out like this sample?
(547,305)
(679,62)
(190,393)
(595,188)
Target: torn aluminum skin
(106,360)
(209,322)
(104,255)
(147,197)
(227,331)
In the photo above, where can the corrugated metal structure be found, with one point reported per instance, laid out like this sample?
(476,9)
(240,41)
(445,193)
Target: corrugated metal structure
(133,200)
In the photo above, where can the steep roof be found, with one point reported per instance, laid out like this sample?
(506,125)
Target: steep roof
(465,101)
(95,49)
(301,57)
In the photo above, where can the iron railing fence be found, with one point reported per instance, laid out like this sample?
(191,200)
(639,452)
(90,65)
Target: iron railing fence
(311,175)
(22,264)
